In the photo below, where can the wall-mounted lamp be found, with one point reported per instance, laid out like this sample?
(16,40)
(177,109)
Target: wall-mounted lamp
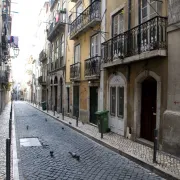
(16,51)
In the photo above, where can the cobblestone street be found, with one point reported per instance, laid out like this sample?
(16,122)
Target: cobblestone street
(4,124)
(96,161)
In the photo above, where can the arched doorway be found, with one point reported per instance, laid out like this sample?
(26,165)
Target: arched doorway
(61,94)
(147,104)
(148,108)
(117,103)
(55,93)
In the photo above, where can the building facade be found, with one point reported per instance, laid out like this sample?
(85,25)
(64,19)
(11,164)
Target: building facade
(5,61)
(56,55)
(85,24)
(134,68)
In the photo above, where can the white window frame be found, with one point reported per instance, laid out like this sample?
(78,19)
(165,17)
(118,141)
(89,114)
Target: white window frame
(120,22)
(77,53)
(95,45)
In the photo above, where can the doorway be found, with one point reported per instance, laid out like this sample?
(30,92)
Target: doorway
(148,108)
(61,95)
(76,101)
(55,101)
(93,104)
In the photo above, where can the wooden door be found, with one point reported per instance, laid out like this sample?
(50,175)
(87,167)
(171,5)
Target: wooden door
(76,101)
(93,104)
(148,108)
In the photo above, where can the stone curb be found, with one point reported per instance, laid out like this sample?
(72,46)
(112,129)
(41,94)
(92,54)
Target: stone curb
(157,170)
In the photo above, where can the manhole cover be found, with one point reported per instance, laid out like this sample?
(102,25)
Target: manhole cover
(29,142)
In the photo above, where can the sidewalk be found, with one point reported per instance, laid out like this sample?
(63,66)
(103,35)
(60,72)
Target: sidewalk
(4,134)
(168,166)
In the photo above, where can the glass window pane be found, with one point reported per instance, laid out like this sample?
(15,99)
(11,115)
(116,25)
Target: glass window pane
(113,101)
(121,102)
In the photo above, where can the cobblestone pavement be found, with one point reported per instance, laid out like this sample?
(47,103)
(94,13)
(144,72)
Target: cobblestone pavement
(96,162)
(4,133)
(166,162)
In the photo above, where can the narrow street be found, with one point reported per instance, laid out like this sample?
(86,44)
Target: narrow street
(96,161)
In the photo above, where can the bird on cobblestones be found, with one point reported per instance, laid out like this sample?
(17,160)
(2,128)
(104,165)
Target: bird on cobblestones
(27,127)
(70,123)
(62,128)
(46,119)
(57,116)
(52,153)
(75,156)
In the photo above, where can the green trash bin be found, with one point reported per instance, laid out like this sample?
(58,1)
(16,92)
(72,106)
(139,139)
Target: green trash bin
(43,105)
(102,116)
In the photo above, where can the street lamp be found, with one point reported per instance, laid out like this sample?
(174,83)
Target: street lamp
(16,51)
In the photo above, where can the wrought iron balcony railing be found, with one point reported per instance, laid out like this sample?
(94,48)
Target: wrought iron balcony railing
(148,36)
(75,71)
(56,65)
(57,24)
(4,77)
(88,18)
(42,56)
(92,67)
(42,80)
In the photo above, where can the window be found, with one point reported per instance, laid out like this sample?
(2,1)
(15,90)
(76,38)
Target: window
(62,46)
(113,101)
(118,23)
(56,50)
(70,21)
(149,9)
(79,9)
(120,102)
(95,45)
(63,7)
(77,54)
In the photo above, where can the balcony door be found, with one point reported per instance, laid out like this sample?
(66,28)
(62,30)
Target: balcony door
(77,53)
(117,29)
(149,9)
(95,45)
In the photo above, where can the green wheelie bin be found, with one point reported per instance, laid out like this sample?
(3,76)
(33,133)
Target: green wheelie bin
(102,117)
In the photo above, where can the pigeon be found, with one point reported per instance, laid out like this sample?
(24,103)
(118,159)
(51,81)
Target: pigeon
(70,123)
(62,128)
(51,153)
(75,156)
(27,127)
(57,116)
(46,119)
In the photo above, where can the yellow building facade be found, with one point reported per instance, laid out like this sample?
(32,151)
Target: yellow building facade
(83,59)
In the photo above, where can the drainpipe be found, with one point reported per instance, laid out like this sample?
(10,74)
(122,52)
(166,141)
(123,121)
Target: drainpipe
(129,14)
(139,30)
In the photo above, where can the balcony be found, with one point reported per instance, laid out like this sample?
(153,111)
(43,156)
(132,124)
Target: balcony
(141,42)
(4,77)
(42,56)
(56,65)
(75,71)
(42,80)
(4,42)
(92,68)
(90,17)
(57,25)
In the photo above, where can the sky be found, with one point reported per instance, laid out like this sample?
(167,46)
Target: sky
(24,24)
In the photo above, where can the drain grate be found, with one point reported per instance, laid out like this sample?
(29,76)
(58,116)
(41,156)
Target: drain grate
(28,142)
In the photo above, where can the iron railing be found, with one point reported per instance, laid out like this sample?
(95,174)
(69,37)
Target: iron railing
(92,12)
(75,70)
(56,22)
(148,36)
(42,55)
(92,66)
(4,77)
(58,64)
